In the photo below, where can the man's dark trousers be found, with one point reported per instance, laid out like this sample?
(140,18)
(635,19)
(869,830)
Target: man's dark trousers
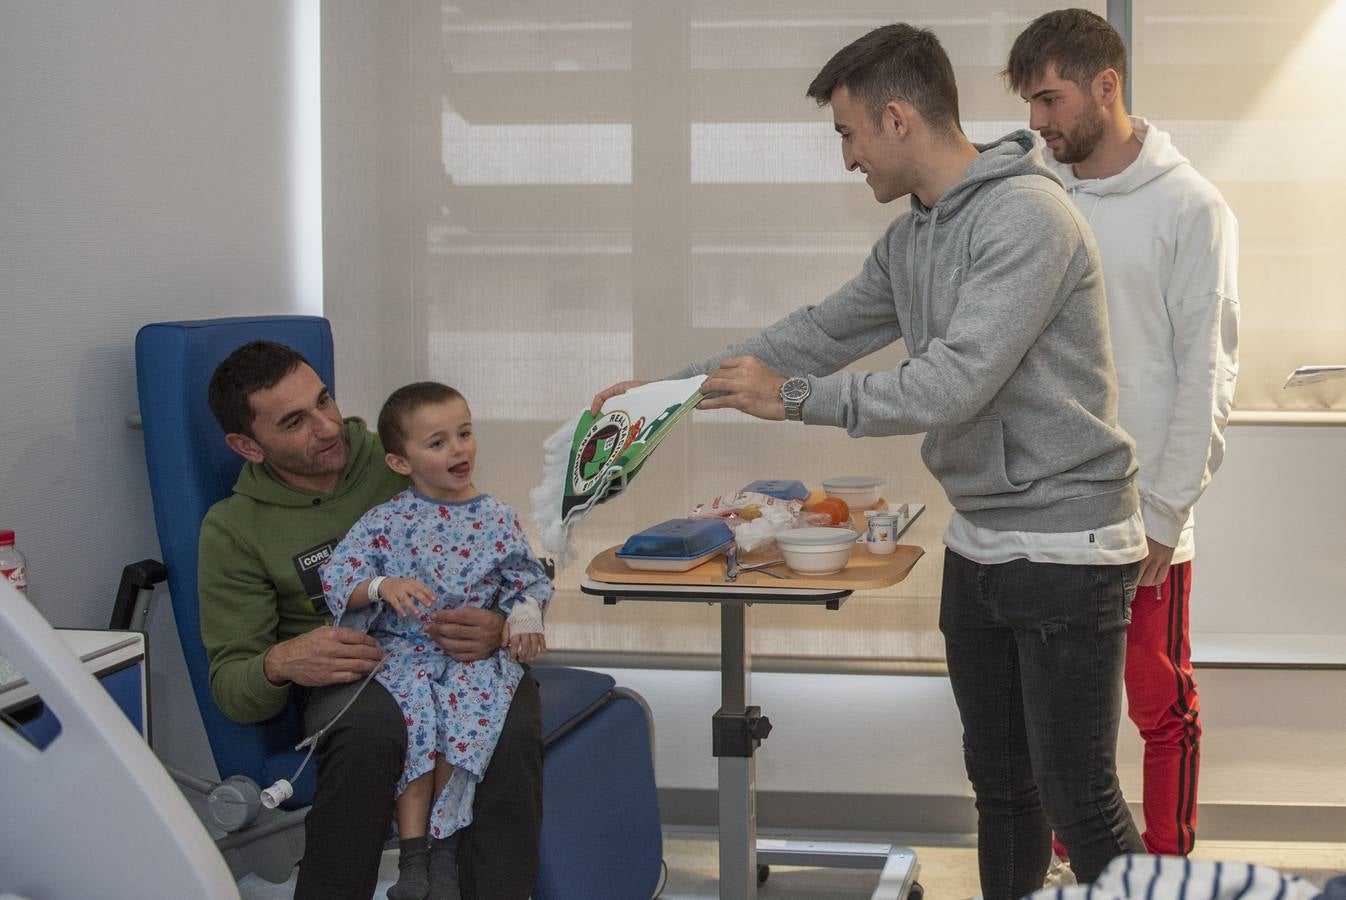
(1035,654)
(359,763)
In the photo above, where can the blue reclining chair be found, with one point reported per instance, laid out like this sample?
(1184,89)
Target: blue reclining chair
(601,835)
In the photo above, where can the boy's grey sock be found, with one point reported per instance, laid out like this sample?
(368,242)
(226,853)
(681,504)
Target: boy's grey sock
(413,875)
(444,868)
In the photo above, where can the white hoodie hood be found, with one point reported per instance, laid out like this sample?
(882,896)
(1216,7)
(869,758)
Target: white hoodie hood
(1157,156)
(1170,262)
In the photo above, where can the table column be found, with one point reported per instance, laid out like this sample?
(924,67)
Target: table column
(738,773)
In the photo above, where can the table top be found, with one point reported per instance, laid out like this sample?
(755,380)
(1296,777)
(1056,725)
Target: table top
(865,571)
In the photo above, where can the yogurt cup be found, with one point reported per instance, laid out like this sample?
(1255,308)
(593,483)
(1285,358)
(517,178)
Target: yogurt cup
(881,533)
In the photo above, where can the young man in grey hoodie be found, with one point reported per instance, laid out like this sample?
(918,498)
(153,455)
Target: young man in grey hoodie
(993,280)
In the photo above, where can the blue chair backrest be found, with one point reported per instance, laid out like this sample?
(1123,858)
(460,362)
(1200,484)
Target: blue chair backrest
(190,468)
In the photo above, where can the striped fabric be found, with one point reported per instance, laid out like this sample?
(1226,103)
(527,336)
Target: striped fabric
(1179,878)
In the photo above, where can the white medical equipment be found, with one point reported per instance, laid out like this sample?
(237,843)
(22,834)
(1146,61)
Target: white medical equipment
(94,814)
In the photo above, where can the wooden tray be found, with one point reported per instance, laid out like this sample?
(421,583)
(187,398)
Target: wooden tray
(864,572)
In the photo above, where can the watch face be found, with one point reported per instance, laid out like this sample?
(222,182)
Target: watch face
(795,389)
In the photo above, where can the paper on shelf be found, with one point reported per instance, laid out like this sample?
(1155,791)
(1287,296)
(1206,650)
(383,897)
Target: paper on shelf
(1313,374)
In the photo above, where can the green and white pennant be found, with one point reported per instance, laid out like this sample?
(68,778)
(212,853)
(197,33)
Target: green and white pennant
(592,458)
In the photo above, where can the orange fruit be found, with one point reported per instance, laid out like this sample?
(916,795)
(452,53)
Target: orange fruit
(835,508)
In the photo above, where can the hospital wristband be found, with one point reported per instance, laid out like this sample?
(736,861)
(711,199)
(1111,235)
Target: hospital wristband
(373,589)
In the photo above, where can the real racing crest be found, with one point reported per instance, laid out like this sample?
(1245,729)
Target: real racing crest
(603,442)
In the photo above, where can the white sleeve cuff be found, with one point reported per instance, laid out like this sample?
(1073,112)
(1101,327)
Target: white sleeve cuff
(1160,524)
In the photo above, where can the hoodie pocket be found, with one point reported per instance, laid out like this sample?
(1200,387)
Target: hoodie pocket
(969,459)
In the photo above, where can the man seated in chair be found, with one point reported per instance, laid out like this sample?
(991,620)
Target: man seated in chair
(309,475)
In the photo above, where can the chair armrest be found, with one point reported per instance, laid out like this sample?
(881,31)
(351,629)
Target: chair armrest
(131,609)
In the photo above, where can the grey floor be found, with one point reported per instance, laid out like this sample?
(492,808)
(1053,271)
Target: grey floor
(947,872)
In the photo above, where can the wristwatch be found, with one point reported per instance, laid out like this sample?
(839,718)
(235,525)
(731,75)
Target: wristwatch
(794,392)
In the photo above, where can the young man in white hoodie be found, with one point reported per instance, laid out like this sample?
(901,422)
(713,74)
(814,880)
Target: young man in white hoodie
(1170,263)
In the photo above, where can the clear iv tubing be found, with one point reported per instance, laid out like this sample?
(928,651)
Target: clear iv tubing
(283,789)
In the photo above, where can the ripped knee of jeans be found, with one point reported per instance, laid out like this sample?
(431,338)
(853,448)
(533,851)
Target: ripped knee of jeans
(1051,627)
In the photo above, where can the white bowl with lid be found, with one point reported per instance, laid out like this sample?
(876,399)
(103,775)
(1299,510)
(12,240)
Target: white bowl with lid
(816,551)
(858,491)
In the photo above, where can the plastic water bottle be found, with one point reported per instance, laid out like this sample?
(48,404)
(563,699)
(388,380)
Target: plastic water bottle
(14,570)
(13,567)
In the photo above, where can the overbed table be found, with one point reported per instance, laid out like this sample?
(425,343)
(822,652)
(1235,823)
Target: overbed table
(738,728)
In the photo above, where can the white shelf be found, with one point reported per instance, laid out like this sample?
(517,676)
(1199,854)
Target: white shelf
(1282,650)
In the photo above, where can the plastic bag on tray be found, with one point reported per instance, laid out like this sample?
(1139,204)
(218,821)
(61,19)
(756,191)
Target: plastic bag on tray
(745,505)
(755,533)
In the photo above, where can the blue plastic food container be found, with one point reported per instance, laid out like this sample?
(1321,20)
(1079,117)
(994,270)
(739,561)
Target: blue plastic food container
(785,490)
(676,545)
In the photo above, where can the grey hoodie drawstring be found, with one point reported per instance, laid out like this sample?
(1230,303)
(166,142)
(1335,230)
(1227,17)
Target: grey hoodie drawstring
(929,281)
(911,286)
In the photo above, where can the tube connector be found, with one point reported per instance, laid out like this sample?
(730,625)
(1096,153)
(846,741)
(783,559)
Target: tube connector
(277,794)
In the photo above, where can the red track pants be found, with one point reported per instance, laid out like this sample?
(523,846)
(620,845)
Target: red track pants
(1162,701)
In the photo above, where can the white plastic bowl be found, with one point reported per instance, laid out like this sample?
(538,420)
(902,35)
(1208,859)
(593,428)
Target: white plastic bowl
(816,551)
(858,491)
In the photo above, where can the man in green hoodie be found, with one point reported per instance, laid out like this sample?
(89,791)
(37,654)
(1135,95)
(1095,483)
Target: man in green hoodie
(309,475)
(992,279)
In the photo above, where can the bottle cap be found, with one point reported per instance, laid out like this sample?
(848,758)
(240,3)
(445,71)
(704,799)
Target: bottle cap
(6,538)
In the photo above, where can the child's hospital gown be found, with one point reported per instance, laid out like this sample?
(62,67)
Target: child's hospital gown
(469,553)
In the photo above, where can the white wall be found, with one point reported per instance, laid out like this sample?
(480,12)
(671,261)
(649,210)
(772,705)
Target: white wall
(1269,739)
(1271,546)
(146,159)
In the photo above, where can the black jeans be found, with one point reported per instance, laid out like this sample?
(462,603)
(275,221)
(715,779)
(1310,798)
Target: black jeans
(359,763)
(498,852)
(1035,654)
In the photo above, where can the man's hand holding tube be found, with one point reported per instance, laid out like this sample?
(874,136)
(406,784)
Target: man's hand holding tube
(326,655)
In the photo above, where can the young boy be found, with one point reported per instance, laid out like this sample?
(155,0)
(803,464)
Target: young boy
(439,543)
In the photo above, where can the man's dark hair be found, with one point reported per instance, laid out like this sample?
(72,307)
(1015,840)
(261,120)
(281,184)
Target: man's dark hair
(895,62)
(253,367)
(1078,42)
(400,405)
